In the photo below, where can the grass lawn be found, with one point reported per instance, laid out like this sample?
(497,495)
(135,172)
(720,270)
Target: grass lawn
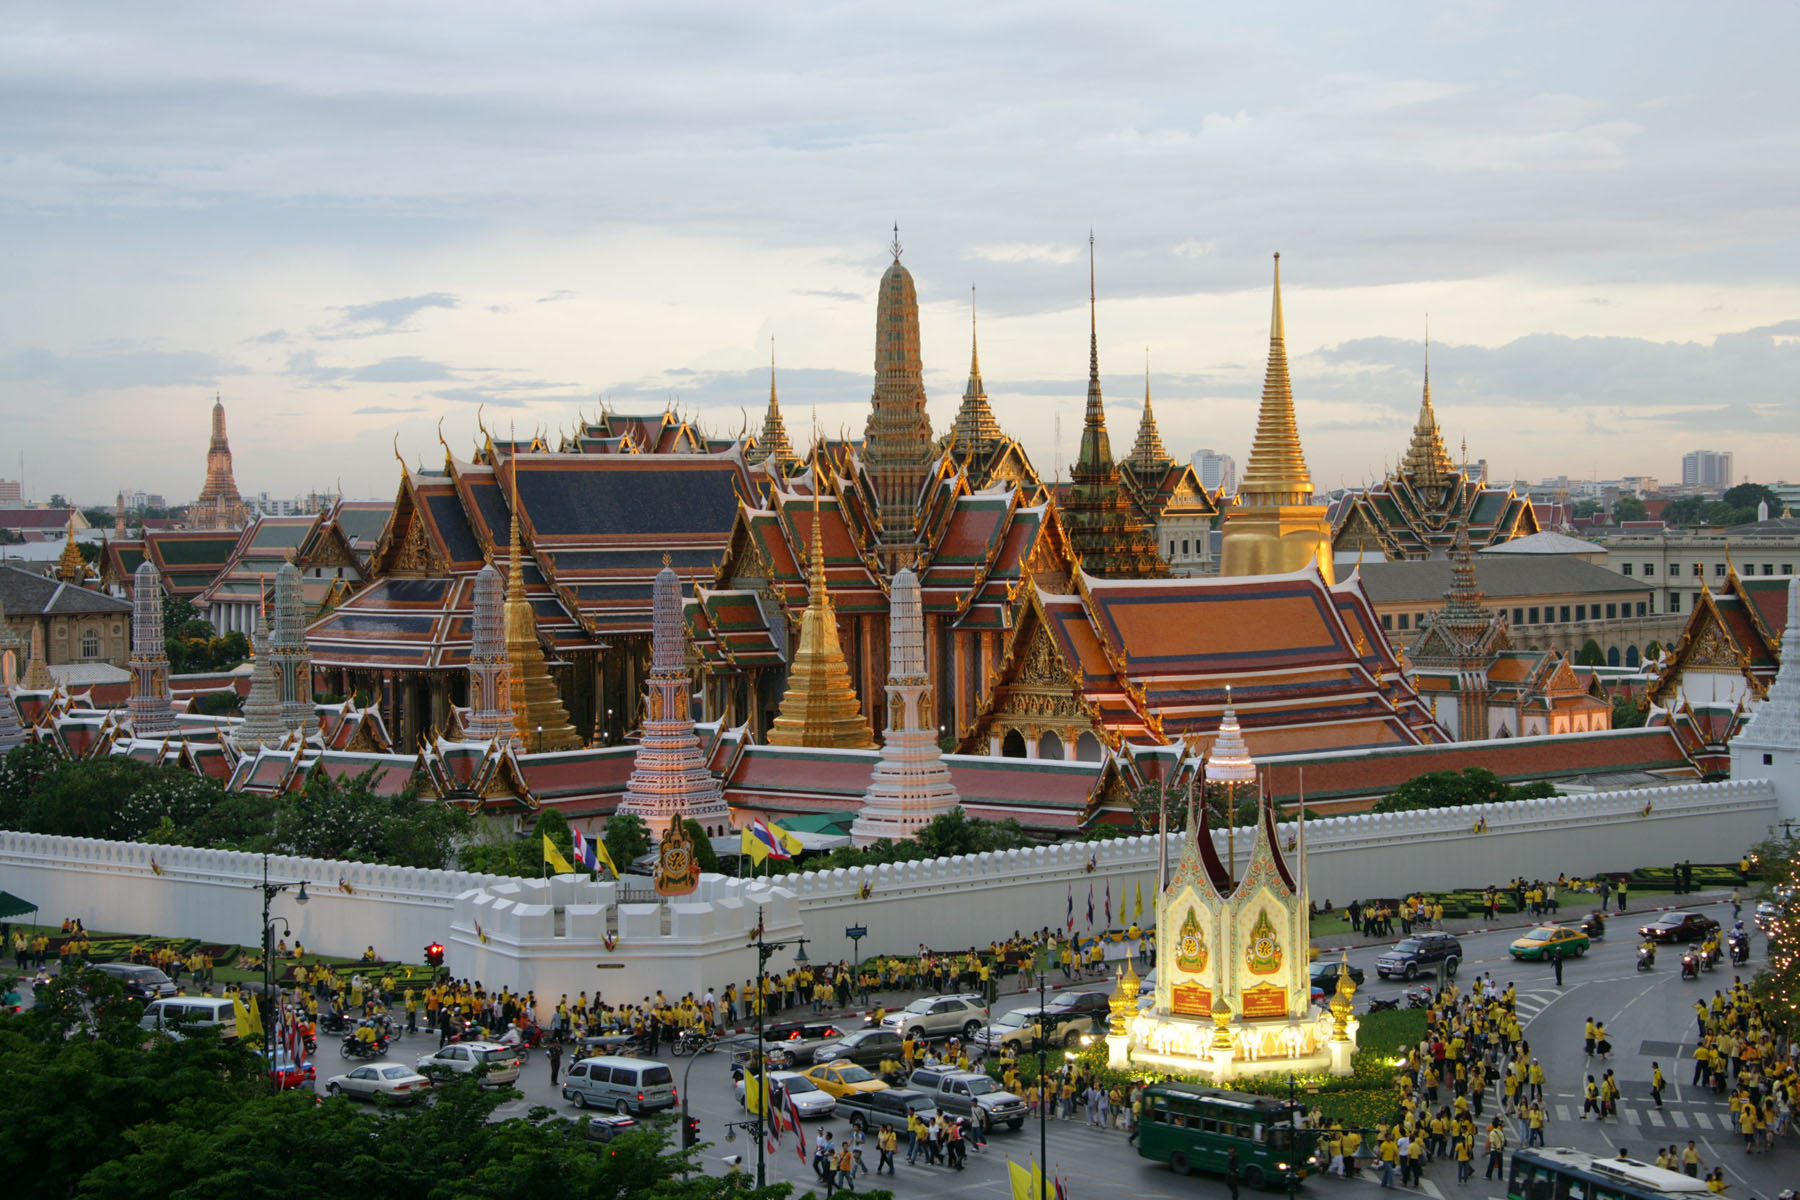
(116,947)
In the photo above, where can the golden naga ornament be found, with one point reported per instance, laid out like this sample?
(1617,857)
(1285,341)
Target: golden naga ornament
(1190,947)
(1264,954)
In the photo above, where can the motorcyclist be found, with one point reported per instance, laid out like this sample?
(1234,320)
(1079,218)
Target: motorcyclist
(1647,950)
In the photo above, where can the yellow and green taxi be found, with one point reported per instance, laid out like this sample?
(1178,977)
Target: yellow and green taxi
(840,1079)
(1550,941)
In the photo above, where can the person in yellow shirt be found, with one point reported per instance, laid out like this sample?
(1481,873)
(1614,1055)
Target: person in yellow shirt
(1389,1153)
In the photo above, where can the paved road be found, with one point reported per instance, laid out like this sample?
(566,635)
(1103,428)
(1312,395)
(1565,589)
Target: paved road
(1649,1016)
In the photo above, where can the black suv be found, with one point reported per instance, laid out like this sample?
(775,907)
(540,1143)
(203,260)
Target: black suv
(1089,1004)
(1325,975)
(1421,951)
(141,982)
(865,1046)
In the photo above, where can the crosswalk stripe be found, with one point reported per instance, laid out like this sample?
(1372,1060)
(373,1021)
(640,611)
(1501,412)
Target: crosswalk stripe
(1562,1113)
(1680,1119)
(1655,1117)
(1703,1120)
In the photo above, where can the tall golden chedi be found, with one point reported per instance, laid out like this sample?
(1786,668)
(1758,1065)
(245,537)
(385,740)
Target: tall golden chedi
(1104,529)
(897,444)
(820,707)
(71,567)
(1273,528)
(219,505)
(539,718)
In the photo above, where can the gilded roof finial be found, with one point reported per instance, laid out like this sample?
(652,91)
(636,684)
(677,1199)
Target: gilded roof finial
(974,341)
(1277,471)
(895,249)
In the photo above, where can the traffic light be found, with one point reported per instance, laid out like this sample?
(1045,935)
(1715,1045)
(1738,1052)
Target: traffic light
(434,954)
(690,1132)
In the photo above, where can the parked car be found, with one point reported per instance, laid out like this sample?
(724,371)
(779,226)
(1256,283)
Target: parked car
(463,1058)
(1421,951)
(960,1091)
(141,983)
(1019,1029)
(872,1110)
(1550,941)
(1325,975)
(809,1099)
(790,1044)
(178,1014)
(1679,927)
(865,1046)
(380,1081)
(1095,1005)
(604,1127)
(842,1078)
(940,1017)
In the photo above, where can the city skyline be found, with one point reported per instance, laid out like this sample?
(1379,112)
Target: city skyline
(355,227)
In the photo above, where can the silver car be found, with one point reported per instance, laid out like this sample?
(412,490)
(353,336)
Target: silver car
(809,1099)
(380,1081)
(940,1016)
(462,1058)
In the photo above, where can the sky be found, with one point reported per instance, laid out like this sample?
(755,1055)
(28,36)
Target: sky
(358,222)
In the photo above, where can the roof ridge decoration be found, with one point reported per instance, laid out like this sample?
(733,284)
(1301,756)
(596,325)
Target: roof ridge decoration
(1276,473)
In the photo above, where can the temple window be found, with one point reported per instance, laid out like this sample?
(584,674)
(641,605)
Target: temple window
(1649,569)
(90,644)
(1565,613)
(1581,609)
(1627,568)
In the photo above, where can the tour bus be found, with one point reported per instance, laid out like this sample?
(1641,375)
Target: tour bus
(1193,1128)
(1555,1174)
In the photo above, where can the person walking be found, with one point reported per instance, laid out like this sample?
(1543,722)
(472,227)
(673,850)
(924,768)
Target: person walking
(1657,1083)
(1496,1148)
(555,1062)
(886,1142)
(1624,891)
(1231,1172)
(857,1140)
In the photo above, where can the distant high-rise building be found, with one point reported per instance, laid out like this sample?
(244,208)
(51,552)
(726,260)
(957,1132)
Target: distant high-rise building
(1706,468)
(11,494)
(1216,470)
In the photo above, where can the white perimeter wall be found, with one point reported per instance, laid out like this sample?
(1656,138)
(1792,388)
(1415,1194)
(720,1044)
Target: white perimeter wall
(950,903)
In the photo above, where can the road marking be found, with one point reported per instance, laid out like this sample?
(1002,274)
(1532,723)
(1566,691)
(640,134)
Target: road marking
(1680,1119)
(1562,1113)
(1703,1120)
(1430,1189)
(1655,1117)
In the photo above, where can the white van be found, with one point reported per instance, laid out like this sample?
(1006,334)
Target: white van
(633,1085)
(183,1013)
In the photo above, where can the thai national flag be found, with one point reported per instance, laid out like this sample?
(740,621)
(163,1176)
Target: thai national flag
(584,852)
(1070,923)
(1090,906)
(759,829)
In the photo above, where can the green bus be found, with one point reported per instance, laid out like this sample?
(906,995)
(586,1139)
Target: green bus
(1556,1174)
(1193,1128)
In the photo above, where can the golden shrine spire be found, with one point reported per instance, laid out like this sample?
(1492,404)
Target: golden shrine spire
(71,567)
(820,707)
(539,718)
(1147,454)
(773,442)
(975,427)
(1275,527)
(1277,471)
(1427,463)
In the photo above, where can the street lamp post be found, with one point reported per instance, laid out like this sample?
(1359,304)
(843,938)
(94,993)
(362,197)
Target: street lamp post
(1044,1096)
(269,892)
(763,950)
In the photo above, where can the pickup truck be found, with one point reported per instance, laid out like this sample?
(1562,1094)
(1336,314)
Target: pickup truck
(1019,1029)
(1421,952)
(960,1091)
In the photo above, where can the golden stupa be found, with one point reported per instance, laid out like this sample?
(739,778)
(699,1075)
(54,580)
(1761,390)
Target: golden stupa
(1274,528)
(820,707)
(537,708)
(71,567)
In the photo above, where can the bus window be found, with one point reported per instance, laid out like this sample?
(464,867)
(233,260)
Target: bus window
(1278,1138)
(1257,1133)
(1572,1189)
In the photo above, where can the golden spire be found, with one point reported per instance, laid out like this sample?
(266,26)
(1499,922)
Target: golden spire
(1277,471)
(820,707)
(1427,463)
(71,567)
(1147,454)
(773,441)
(975,427)
(539,718)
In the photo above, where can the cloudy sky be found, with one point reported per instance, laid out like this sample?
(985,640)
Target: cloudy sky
(355,220)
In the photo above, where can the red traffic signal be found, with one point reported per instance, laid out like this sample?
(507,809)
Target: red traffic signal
(690,1133)
(434,954)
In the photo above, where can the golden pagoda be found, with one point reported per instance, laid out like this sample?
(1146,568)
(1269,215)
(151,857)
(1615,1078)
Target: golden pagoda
(1274,528)
(71,567)
(772,442)
(1427,463)
(537,708)
(820,707)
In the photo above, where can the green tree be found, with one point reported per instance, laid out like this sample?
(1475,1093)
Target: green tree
(349,819)
(1454,789)
(1584,508)
(1626,714)
(1683,511)
(1590,655)
(1630,508)
(1746,496)
(626,838)
(20,769)
(703,851)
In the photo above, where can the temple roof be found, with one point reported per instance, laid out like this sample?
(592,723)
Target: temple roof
(1737,628)
(27,594)
(1510,579)
(188,560)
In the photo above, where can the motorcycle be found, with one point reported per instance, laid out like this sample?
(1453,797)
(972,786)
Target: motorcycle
(334,1022)
(1690,965)
(1418,997)
(690,1041)
(1376,1006)
(1709,957)
(1740,949)
(1594,925)
(1646,957)
(356,1048)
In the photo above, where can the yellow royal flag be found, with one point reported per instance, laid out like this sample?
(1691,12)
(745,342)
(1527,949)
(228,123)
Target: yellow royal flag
(756,1093)
(749,843)
(554,857)
(1024,1183)
(788,841)
(249,1021)
(600,851)
(1138,914)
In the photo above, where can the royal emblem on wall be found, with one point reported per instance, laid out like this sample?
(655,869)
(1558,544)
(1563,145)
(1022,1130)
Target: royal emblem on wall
(677,868)
(1264,952)
(1190,946)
